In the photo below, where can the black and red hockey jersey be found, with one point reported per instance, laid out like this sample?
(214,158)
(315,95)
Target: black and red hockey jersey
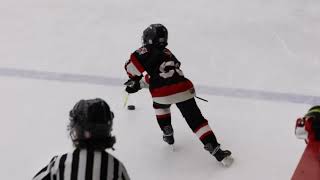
(161,70)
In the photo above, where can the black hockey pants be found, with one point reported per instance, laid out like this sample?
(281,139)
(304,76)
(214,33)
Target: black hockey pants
(192,114)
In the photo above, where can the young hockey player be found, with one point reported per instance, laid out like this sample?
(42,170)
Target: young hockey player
(90,129)
(155,67)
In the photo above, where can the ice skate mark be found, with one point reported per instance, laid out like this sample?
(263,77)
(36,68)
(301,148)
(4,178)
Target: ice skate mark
(259,95)
(62,77)
(210,90)
(284,45)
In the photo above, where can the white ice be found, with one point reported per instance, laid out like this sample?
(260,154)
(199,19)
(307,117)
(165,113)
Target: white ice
(263,45)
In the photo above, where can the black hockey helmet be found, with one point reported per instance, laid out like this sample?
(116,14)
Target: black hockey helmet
(91,124)
(155,34)
(314,112)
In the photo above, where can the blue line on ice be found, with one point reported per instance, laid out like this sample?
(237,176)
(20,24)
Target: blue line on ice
(211,90)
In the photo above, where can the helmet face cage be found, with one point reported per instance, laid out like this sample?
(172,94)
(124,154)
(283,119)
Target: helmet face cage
(155,34)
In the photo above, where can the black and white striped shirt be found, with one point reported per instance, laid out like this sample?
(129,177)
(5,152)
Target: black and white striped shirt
(83,164)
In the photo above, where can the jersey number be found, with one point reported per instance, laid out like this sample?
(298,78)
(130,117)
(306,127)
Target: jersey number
(174,67)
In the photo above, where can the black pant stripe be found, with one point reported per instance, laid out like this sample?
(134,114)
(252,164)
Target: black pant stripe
(85,164)
(41,171)
(192,114)
(116,169)
(104,166)
(75,164)
(62,166)
(89,166)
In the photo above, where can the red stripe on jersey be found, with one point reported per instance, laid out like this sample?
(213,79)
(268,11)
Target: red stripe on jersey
(171,89)
(136,63)
(165,116)
(206,134)
(126,64)
(201,126)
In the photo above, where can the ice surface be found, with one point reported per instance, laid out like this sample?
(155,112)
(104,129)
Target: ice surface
(262,46)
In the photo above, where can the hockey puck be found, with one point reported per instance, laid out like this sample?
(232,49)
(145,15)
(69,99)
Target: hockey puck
(131,107)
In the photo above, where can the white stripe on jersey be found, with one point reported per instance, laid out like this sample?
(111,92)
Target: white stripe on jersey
(110,167)
(96,165)
(68,166)
(120,171)
(82,164)
(131,68)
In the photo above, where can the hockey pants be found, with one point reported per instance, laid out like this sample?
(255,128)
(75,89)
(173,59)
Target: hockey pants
(192,114)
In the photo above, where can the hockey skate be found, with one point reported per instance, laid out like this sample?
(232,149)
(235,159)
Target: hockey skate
(168,135)
(223,156)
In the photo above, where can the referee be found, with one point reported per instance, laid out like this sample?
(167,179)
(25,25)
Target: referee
(90,130)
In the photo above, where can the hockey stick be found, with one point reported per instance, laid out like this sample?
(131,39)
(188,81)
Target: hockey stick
(202,99)
(126,97)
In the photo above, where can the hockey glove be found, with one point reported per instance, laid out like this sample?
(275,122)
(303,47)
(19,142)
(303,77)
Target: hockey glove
(133,86)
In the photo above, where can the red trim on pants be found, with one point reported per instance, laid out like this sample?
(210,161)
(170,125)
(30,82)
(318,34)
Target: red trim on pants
(165,116)
(200,126)
(206,134)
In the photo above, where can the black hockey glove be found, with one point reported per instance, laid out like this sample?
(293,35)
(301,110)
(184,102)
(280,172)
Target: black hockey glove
(133,86)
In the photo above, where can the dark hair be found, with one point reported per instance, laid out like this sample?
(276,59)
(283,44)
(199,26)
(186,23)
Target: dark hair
(90,124)
(100,144)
